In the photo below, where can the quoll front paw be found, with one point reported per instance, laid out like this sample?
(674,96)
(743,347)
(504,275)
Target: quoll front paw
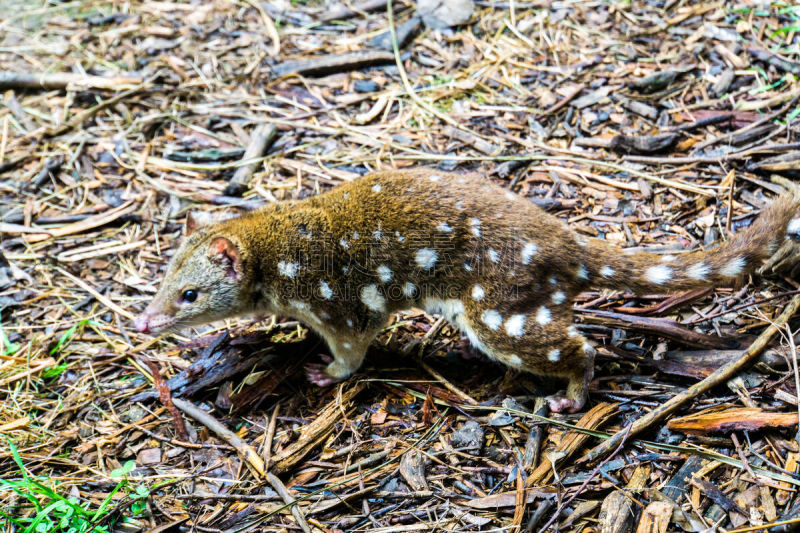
(559,403)
(317,373)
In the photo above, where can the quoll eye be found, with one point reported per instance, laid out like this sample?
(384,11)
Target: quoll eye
(189,296)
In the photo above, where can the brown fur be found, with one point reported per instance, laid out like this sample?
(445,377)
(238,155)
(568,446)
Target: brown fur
(491,262)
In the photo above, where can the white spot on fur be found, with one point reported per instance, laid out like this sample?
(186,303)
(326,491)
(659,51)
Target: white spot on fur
(528,251)
(510,195)
(582,273)
(444,227)
(668,258)
(451,309)
(346,269)
(409,289)
(553,281)
(475,226)
(435,177)
(514,360)
(325,315)
(384,273)
(349,323)
(377,235)
(347,345)
(554,355)
(372,298)
(572,331)
(467,267)
(734,267)
(493,255)
(543,316)
(658,274)
(377,187)
(515,326)
(343,244)
(492,319)
(478,293)
(698,271)
(607,271)
(558,297)
(287,269)
(356,235)
(460,205)
(399,236)
(794,226)
(300,306)
(426,258)
(325,290)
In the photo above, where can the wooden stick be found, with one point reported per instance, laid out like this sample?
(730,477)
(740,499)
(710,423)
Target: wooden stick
(262,138)
(720,376)
(60,80)
(280,488)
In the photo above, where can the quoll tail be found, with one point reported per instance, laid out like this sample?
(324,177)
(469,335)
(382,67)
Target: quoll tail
(742,253)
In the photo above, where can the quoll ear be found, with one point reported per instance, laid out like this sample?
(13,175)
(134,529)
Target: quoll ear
(227,254)
(196,220)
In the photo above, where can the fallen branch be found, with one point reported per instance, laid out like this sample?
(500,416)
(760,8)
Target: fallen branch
(262,138)
(330,63)
(720,376)
(280,488)
(659,326)
(61,80)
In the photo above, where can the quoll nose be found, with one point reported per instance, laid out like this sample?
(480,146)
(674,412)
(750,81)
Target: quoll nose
(141,323)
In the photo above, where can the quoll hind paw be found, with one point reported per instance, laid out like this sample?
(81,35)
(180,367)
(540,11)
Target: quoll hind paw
(559,403)
(316,374)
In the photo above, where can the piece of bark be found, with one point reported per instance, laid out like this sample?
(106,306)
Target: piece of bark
(735,419)
(60,80)
(655,82)
(263,137)
(751,135)
(659,326)
(717,496)
(330,63)
(723,83)
(656,518)
(775,61)
(534,441)
(789,162)
(640,108)
(412,468)
(643,144)
(509,499)
(617,511)
(405,33)
(479,144)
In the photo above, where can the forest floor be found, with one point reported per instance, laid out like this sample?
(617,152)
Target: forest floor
(651,124)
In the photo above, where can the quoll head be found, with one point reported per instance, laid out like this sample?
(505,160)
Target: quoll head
(203,283)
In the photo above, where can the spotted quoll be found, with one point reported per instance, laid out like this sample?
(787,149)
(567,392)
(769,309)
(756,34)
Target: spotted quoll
(490,262)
